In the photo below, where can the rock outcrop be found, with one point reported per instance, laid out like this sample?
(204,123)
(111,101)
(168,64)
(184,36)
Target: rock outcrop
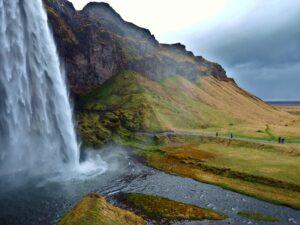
(96,43)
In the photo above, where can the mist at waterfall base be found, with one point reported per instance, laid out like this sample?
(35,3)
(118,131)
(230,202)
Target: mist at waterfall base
(37,134)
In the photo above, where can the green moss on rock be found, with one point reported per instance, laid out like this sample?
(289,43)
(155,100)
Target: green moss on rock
(258,216)
(92,130)
(95,210)
(159,208)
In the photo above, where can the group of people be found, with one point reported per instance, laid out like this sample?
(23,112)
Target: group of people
(281,140)
(231,135)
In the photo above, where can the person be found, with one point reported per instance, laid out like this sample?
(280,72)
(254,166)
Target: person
(279,140)
(217,134)
(282,140)
(231,135)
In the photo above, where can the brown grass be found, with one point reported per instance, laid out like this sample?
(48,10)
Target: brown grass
(295,110)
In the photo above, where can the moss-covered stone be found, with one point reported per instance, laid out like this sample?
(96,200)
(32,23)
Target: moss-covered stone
(163,209)
(258,216)
(95,210)
(92,129)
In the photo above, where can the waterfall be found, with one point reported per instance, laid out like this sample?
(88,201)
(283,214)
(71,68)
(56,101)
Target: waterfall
(36,128)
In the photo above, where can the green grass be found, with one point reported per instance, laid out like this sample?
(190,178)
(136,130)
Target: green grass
(158,208)
(258,216)
(124,97)
(264,162)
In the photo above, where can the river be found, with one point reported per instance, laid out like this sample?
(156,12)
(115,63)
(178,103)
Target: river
(45,200)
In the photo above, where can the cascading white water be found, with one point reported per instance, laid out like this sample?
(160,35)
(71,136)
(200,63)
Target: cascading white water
(36,127)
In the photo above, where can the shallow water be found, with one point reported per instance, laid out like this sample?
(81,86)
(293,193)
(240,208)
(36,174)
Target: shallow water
(43,201)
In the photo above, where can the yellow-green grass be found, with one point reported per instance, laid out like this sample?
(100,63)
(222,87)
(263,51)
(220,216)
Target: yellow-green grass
(258,216)
(261,162)
(159,208)
(265,171)
(94,210)
(261,191)
(292,109)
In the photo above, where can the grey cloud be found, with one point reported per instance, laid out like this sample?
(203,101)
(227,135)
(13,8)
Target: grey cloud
(261,50)
(270,83)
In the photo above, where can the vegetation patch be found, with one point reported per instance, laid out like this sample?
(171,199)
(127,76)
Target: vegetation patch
(163,210)
(92,129)
(95,210)
(268,172)
(258,216)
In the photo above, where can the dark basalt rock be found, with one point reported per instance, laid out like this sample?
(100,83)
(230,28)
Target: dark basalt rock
(96,43)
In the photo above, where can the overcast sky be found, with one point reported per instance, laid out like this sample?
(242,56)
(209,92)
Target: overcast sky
(256,41)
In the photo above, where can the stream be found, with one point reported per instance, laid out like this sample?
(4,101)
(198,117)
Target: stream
(44,200)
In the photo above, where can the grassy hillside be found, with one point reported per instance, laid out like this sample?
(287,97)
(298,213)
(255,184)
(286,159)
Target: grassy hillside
(130,102)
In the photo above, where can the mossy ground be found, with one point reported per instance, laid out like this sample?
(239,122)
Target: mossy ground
(258,216)
(265,171)
(94,210)
(163,210)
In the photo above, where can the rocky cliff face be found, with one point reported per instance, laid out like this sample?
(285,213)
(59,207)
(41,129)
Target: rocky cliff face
(96,43)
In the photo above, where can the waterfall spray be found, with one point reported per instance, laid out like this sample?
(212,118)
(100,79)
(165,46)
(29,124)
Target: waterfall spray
(36,127)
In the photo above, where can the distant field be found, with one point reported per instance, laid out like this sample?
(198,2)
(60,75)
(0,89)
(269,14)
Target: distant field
(290,109)
(266,171)
(284,103)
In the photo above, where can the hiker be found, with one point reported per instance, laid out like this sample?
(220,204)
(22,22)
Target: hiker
(217,134)
(279,140)
(282,140)
(231,135)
